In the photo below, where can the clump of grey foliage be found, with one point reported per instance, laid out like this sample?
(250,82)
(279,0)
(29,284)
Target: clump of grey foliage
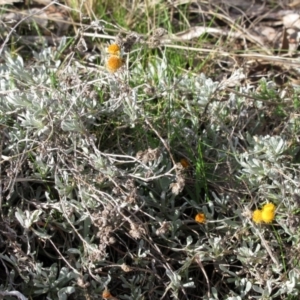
(93,194)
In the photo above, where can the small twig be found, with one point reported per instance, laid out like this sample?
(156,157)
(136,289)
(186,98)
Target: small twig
(1,145)
(265,244)
(162,140)
(198,261)
(62,257)
(13,293)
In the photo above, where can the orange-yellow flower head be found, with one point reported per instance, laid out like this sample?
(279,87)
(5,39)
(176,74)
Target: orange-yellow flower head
(184,162)
(200,218)
(257,216)
(114,63)
(114,49)
(106,294)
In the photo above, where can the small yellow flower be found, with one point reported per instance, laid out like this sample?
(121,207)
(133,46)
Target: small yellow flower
(257,216)
(114,63)
(269,207)
(200,218)
(268,212)
(114,49)
(267,216)
(184,162)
